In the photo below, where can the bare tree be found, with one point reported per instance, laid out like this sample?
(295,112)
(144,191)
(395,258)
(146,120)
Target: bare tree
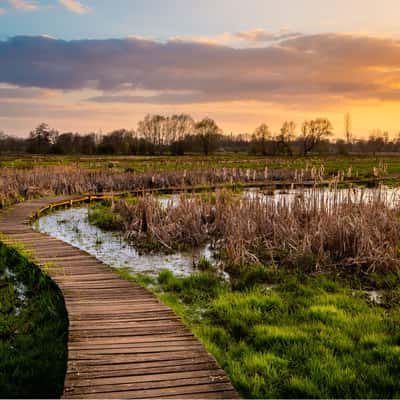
(261,137)
(285,137)
(209,134)
(153,130)
(313,131)
(179,127)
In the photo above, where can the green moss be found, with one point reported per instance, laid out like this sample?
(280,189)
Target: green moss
(33,330)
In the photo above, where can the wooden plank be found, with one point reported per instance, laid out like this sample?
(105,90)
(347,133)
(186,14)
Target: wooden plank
(141,391)
(134,370)
(152,380)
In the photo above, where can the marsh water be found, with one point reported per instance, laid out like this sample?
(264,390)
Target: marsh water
(72,226)
(328,197)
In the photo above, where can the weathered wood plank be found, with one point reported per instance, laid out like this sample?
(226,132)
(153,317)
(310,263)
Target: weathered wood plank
(183,391)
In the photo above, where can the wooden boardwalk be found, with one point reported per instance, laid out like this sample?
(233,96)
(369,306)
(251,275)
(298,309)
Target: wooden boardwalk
(123,343)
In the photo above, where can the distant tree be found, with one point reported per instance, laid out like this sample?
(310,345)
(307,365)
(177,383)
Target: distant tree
(116,142)
(208,134)
(88,144)
(286,135)
(3,142)
(313,131)
(41,139)
(65,144)
(341,147)
(179,127)
(377,141)
(262,137)
(153,130)
(11,144)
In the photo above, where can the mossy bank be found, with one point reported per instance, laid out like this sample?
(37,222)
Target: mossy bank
(33,330)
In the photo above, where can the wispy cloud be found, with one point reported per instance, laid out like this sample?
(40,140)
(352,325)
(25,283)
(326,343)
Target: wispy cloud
(252,38)
(75,6)
(263,36)
(224,39)
(2,11)
(23,5)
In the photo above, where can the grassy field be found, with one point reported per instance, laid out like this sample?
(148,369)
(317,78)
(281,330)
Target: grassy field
(361,165)
(33,330)
(290,335)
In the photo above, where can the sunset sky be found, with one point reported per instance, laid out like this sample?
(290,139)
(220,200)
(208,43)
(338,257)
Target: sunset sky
(96,65)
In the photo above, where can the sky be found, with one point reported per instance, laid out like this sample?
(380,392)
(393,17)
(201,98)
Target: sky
(98,65)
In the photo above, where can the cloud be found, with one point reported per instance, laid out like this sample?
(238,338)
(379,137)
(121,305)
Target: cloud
(75,6)
(11,92)
(306,69)
(262,36)
(251,38)
(218,40)
(23,5)
(2,11)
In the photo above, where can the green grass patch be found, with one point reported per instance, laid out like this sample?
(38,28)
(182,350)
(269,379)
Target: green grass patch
(33,330)
(303,337)
(102,216)
(361,165)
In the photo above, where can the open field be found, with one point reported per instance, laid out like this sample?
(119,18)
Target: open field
(361,165)
(302,296)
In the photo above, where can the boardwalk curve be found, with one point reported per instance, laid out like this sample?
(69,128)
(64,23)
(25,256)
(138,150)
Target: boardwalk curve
(122,343)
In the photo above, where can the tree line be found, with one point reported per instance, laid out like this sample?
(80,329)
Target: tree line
(181,134)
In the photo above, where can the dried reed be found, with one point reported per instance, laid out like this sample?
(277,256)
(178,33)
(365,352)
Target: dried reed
(315,229)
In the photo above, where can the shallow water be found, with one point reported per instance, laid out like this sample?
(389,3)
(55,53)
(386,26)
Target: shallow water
(72,226)
(327,197)
(20,289)
(319,196)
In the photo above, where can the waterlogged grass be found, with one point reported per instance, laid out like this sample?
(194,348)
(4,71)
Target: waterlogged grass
(296,337)
(102,216)
(33,330)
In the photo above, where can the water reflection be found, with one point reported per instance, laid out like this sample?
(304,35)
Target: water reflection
(72,226)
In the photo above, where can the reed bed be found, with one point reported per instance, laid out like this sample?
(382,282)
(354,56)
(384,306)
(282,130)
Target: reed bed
(17,184)
(315,230)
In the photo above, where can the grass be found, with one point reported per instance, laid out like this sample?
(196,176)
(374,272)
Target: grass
(362,165)
(291,336)
(33,330)
(102,216)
